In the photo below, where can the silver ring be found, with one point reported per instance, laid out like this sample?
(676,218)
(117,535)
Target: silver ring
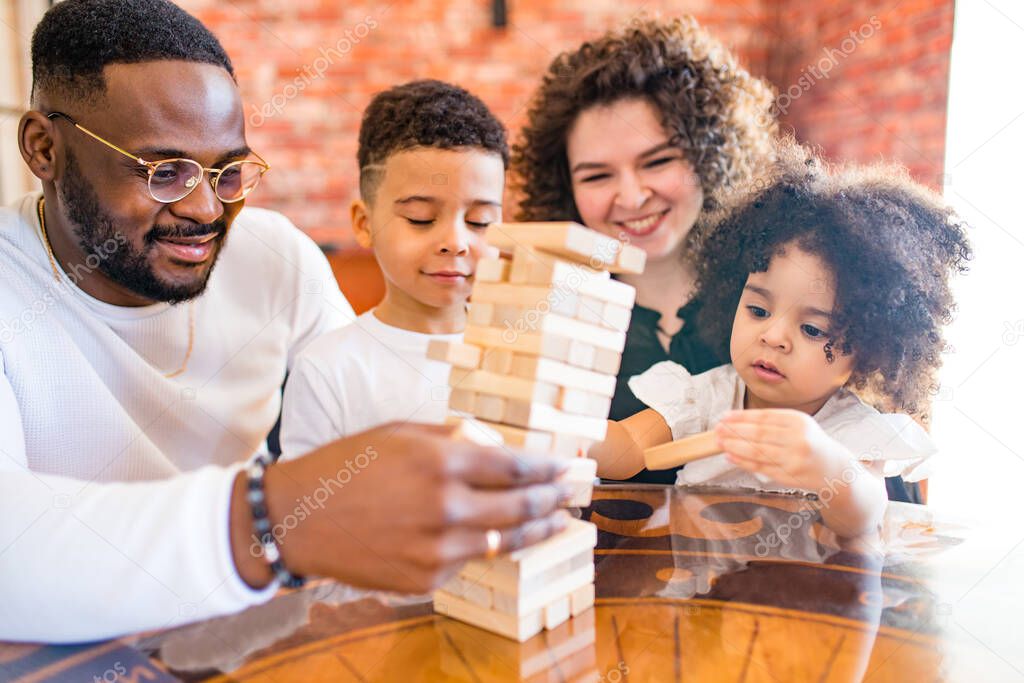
(493,538)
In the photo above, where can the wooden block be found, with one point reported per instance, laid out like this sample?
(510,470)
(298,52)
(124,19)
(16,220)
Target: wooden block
(562,374)
(568,240)
(681,451)
(471,591)
(593,335)
(546,657)
(569,445)
(631,259)
(521,602)
(581,354)
(531,266)
(591,311)
(532,343)
(480,313)
(581,475)
(572,277)
(505,315)
(518,628)
(556,612)
(492,270)
(581,560)
(616,317)
(462,401)
(473,430)
(549,419)
(581,599)
(497,360)
(521,438)
(508,572)
(579,402)
(491,408)
(524,262)
(607,362)
(483,382)
(458,355)
(529,299)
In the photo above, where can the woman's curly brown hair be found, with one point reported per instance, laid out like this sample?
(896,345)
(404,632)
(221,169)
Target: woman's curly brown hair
(718,114)
(890,244)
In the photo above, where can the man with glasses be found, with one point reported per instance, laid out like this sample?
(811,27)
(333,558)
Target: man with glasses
(147,321)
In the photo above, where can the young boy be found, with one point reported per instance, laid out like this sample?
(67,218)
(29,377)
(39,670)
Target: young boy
(432,162)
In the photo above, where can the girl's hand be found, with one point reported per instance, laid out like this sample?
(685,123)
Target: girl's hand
(786,445)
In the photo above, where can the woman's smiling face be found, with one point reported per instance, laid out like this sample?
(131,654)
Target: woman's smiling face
(629,181)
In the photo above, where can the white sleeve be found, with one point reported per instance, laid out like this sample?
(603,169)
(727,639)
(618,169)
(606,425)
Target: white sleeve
(313,411)
(676,395)
(320,306)
(81,561)
(898,442)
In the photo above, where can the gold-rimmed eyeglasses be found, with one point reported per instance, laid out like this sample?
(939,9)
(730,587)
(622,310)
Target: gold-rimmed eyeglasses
(171,180)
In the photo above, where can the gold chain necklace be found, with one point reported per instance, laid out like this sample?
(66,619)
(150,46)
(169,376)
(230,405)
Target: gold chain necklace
(56,275)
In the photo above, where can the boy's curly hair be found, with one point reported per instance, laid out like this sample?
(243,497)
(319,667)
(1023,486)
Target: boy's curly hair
(890,244)
(424,113)
(718,114)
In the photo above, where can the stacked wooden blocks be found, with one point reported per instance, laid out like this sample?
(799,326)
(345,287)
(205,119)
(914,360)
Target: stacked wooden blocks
(536,370)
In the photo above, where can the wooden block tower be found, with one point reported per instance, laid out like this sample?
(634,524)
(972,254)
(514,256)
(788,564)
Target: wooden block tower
(536,370)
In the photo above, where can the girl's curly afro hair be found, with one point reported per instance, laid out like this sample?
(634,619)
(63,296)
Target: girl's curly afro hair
(890,244)
(718,114)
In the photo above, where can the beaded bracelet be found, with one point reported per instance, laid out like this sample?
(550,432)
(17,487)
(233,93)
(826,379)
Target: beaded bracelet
(261,523)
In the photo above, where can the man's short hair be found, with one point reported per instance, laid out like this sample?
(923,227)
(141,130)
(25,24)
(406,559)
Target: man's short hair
(76,39)
(426,113)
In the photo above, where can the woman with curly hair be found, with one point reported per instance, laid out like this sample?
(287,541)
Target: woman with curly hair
(636,134)
(820,285)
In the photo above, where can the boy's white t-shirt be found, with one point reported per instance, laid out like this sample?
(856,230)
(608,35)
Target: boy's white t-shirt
(360,377)
(692,404)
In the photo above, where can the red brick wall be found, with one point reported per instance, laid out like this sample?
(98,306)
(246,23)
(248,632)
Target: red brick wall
(308,67)
(875,78)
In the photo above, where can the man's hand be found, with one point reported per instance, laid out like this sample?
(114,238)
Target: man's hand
(399,508)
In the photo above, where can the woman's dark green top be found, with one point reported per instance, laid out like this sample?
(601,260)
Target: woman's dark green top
(643,349)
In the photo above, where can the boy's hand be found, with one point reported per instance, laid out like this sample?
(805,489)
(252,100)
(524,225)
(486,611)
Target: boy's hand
(786,445)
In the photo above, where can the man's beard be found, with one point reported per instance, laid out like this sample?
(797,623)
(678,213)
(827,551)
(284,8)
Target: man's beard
(125,265)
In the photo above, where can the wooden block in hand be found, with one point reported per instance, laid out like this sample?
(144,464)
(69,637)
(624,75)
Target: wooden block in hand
(457,354)
(679,452)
